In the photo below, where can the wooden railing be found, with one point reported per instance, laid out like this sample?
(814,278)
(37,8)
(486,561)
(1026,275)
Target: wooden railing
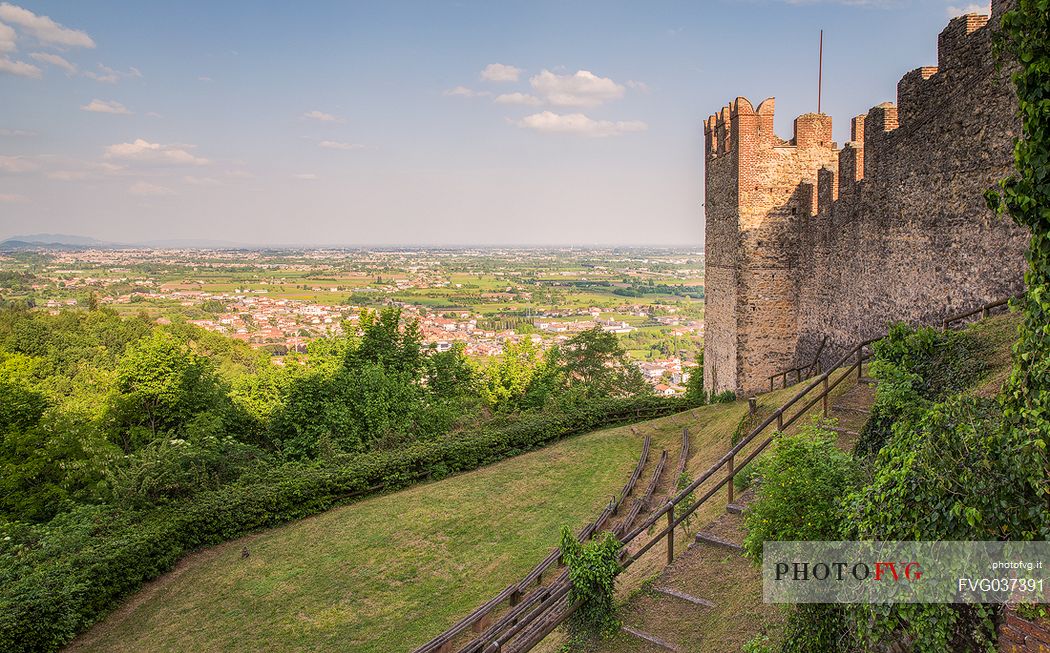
(802,372)
(529,627)
(984,311)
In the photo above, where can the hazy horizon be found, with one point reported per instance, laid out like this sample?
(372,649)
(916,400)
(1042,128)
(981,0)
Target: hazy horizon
(433,124)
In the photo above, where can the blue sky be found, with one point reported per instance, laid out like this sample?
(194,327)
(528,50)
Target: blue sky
(462,122)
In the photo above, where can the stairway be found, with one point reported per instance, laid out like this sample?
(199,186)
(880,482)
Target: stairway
(710,598)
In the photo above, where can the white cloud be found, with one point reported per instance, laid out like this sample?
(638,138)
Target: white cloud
(321,116)
(110,76)
(147,189)
(498,72)
(142,151)
(306,176)
(19,68)
(54,60)
(463,91)
(637,86)
(582,89)
(578,123)
(518,98)
(12,198)
(106,106)
(972,8)
(66,169)
(43,28)
(7,38)
(17,164)
(201,181)
(337,145)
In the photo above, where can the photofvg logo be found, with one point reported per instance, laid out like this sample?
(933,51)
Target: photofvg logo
(905,572)
(860,571)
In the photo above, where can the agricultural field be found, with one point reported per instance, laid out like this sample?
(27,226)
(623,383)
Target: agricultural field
(483,299)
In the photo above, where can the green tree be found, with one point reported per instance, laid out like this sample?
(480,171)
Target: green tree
(449,373)
(804,479)
(385,342)
(505,380)
(160,386)
(596,365)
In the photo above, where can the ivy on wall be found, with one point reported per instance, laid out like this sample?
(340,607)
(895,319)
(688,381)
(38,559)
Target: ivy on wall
(1025,196)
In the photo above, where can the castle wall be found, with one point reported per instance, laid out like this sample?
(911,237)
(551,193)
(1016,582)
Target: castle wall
(892,227)
(720,264)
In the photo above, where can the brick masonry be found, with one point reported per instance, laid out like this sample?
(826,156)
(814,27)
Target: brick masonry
(1020,635)
(804,239)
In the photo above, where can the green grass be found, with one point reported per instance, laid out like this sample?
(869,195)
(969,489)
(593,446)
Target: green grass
(385,574)
(388,573)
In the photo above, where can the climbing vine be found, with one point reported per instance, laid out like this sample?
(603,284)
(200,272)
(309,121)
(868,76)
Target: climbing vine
(592,571)
(1025,196)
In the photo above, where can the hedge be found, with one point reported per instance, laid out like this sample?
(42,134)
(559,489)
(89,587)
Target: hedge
(58,579)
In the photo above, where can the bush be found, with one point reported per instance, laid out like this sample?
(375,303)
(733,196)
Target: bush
(57,578)
(916,367)
(804,478)
(593,567)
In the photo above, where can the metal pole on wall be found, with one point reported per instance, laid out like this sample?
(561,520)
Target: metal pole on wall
(820,69)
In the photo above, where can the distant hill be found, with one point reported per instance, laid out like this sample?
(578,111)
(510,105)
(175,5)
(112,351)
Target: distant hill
(63,241)
(56,239)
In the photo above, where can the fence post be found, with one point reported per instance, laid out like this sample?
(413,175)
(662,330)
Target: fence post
(985,312)
(732,472)
(670,534)
(752,406)
(780,421)
(860,362)
(825,397)
(771,383)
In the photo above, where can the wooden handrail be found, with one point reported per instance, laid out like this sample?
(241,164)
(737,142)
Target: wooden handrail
(983,310)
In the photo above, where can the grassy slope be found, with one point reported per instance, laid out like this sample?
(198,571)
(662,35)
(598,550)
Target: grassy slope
(388,573)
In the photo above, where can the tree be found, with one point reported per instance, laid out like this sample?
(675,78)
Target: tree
(596,365)
(505,380)
(160,386)
(385,343)
(449,373)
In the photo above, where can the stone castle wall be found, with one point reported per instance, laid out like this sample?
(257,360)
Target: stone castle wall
(805,240)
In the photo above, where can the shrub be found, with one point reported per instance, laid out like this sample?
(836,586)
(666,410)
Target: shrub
(803,480)
(593,567)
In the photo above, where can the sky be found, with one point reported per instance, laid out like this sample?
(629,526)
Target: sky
(412,123)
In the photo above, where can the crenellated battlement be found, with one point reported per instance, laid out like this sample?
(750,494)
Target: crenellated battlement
(805,239)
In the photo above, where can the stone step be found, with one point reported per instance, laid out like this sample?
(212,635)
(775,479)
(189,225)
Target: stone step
(652,639)
(689,598)
(735,509)
(851,409)
(704,538)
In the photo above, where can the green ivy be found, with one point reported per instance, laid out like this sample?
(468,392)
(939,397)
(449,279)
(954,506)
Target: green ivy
(593,567)
(1025,196)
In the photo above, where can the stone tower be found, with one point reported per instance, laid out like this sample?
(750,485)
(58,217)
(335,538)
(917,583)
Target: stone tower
(807,242)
